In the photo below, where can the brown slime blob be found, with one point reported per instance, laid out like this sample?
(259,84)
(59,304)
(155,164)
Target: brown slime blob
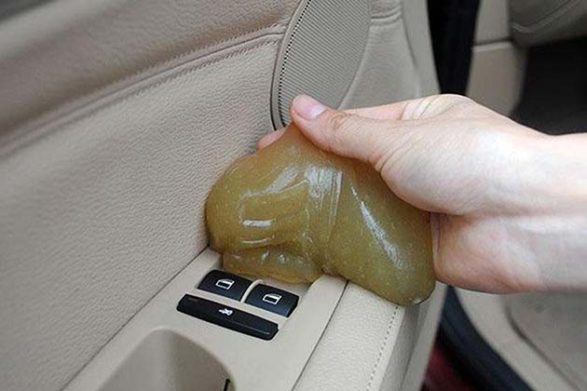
(292,212)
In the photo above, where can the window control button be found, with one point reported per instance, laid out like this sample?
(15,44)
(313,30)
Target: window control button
(228,317)
(272,299)
(225,284)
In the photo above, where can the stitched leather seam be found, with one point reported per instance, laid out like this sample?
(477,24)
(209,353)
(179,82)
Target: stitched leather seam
(68,106)
(108,101)
(234,39)
(382,348)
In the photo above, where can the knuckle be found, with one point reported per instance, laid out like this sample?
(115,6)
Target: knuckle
(456,98)
(440,104)
(453,100)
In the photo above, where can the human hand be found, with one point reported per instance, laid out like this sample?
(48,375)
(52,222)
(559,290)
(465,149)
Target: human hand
(498,224)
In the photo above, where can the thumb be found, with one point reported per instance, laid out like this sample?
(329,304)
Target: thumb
(340,132)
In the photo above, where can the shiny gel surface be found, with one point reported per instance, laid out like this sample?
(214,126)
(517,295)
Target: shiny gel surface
(293,212)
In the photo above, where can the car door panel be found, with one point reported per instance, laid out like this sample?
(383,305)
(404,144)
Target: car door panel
(117,117)
(99,214)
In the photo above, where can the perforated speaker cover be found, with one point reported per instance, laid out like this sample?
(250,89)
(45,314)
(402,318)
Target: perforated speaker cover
(320,53)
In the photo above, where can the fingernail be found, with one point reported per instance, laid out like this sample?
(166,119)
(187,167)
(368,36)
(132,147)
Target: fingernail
(308,108)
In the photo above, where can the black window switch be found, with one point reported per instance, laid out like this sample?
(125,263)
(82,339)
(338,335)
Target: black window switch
(272,299)
(225,284)
(228,317)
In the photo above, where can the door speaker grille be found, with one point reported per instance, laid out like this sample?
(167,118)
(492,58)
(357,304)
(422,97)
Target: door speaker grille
(320,53)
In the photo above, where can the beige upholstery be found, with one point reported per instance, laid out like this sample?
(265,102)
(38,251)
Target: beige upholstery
(489,315)
(493,49)
(116,117)
(541,21)
(493,24)
(99,214)
(385,76)
(368,347)
(563,346)
(64,49)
